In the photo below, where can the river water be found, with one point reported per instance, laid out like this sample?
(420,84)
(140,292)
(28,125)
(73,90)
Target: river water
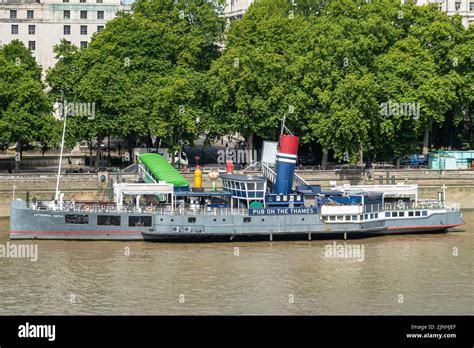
(411,274)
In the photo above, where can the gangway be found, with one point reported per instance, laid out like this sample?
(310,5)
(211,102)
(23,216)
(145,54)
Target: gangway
(154,168)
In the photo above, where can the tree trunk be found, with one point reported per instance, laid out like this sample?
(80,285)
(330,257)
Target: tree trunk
(426,139)
(109,159)
(361,155)
(324,161)
(98,152)
(18,156)
(250,147)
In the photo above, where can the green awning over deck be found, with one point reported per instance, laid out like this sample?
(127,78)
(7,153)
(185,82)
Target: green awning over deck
(162,170)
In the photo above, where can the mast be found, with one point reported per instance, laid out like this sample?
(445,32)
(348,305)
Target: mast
(56,195)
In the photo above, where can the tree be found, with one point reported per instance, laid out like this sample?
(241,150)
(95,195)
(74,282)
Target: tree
(25,108)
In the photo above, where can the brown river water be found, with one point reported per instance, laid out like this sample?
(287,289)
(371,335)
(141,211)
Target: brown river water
(409,274)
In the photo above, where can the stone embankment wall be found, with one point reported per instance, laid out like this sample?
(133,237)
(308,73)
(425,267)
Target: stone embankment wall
(460,183)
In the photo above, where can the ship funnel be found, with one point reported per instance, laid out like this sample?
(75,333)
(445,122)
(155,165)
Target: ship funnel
(285,163)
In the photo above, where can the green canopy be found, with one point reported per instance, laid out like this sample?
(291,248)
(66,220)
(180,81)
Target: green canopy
(162,170)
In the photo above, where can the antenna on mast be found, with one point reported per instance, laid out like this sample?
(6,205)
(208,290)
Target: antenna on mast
(284,128)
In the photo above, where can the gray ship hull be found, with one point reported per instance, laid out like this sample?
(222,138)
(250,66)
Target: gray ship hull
(26,223)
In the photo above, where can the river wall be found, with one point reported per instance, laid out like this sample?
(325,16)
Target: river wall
(97,186)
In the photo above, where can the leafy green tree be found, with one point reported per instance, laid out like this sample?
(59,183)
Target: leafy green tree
(25,108)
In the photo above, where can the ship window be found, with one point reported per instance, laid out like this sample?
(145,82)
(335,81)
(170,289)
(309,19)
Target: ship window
(172,220)
(366,216)
(192,220)
(260,186)
(324,218)
(361,217)
(417,213)
(76,219)
(424,213)
(285,198)
(247,219)
(250,186)
(139,221)
(354,217)
(278,198)
(376,215)
(387,214)
(108,220)
(302,219)
(332,218)
(371,216)
(410,213)
(347,218)
(263,219)
(402,213)
(394,213)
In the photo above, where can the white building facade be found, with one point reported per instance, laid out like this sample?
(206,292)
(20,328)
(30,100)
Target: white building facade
(465,8)
(41,24)
(236,8)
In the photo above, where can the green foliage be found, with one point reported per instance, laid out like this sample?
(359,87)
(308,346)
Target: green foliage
(25,108)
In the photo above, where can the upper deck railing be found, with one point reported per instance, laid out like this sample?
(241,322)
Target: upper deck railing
(109,207)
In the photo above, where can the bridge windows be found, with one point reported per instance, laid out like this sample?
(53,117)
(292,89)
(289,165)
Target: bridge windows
(139,221)
(76,219)
(108,220)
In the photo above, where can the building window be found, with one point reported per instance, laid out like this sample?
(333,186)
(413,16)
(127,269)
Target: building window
(108,220)
(30,14)
(67,14)
(100,14)
(100,27)
(82,1)
(32,45)
(139,221)
(12,14)
(76,219)
(100,1)
(83,14)
(83,44)
(67,30)
(31,30)
(65,0)
(471,6)
(83,29)
(14,29)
